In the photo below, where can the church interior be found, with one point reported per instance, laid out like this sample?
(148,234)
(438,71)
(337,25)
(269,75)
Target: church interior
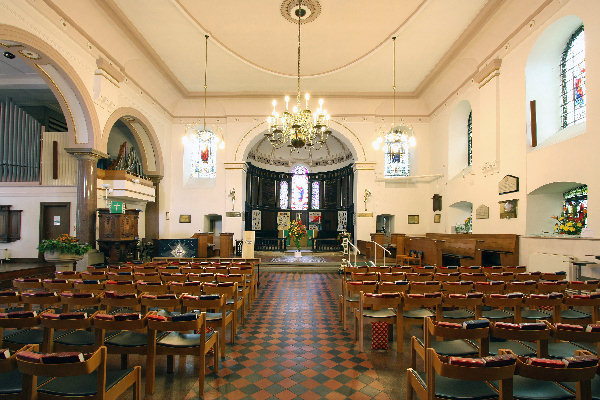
(301,199)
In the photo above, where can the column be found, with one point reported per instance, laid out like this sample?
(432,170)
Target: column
(364,178)
(153,210)
(87,180)
(487,156)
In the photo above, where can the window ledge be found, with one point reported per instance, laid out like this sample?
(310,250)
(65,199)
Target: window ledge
(409,178)
(560,237)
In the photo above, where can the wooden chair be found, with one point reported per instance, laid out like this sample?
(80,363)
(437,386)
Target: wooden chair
(534,382)
(219,318)
(587,302)
(473,276)
(8,299)
(165,303)
(120,286)
(124,302)
(89,379)
(189,287)
(93,275)
(11,380)
(207,277)
(503,307)
(88,286)
(446,277)
(151,287)
(131,336)
(77,334)
(461,287)
(528,276)
(243,291)
(418,306)
(179,342)
(470,269)
(22,284)
(552,286)
(250,273)
(537,304)
(501,276)
(425,287)
(380,307)
(22,331)
(392,276)
(57,285)
(351,294)
(393,287)
(379,269)
(462,306)
(364,276)
(146,277)
(525,287)
(522,342)
(489,287)
(419,276)
(515,269)
(553,276)
(120,276)
(71,275)
(457,346)
(168,277)
(232,302)
(582,287)
(571,338)
(442,380)
(400,268)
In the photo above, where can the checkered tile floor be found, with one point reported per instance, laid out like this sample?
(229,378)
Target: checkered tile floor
(293,347)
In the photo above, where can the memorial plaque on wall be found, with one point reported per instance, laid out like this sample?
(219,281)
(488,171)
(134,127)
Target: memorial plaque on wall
(508,208)
(256,220)
(482,212)
(508,184)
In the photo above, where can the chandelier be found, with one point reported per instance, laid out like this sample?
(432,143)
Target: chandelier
(300,127)
(399,138)
(204,134)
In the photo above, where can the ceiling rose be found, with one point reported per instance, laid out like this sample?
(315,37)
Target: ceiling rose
(310,10)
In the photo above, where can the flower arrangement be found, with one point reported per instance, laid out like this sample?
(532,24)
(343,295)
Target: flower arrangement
(570,224)
(64,244)
(296,232)
(466,227)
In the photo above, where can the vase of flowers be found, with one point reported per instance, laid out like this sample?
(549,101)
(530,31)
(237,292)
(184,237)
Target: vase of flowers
(466,227)
(63,251)
(570,224)
(296,232)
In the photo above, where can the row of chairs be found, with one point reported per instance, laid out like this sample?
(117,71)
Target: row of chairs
(510,377)
(404,309)
(457,276)
(123,330)
(22,378)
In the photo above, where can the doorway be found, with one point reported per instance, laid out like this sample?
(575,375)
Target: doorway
(384,224)
(55,220)
(213,223)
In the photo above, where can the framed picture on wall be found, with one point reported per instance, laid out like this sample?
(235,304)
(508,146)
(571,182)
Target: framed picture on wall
(185,219)
(413,219)
(437,218)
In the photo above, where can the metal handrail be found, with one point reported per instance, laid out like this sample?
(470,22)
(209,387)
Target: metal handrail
(384,251)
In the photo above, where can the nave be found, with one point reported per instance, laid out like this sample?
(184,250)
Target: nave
(292,346)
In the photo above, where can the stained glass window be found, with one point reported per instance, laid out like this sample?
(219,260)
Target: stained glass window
(300,188)
(396,150)
(283,195)
(203,154)
(470,139)
(575,203)
(572,72)
(316,200)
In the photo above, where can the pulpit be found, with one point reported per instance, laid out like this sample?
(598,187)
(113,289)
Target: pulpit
(118,234)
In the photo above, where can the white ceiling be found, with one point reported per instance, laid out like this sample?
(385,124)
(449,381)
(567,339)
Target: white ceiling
(253,48)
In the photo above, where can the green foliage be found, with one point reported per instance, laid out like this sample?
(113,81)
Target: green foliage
(64,244)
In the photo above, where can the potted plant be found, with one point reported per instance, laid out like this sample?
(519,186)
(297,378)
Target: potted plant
(63,251)
(466,227)
(296,232)
(570,224)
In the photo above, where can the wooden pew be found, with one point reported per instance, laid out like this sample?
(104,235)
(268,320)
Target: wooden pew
(504,247)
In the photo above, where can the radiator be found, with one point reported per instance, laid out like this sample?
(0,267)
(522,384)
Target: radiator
(548,262)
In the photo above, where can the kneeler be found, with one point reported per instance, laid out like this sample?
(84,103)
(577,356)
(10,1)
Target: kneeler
(379,335)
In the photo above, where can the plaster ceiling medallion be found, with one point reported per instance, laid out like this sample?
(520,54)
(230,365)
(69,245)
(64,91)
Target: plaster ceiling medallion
(309,10)
(32,55)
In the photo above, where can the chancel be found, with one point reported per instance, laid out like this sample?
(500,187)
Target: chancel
(299,199)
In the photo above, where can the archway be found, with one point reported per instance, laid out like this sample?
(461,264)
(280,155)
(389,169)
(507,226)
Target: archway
(68,88)
(145,137)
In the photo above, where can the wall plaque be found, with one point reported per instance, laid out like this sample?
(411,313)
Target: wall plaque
(364,214)
(508,208)
(233,214)
(437,202)
(482,212)
(508,184)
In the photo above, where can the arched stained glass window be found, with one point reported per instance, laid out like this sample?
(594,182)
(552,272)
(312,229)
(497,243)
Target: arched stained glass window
(203,146)
(470,139)
(572,72)
(300,188)
(396,150)
(283,195)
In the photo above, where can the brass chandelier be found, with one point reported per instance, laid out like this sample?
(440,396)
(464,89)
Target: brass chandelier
(300,127)
(399,138)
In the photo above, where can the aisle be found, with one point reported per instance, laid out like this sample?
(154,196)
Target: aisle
(292,347)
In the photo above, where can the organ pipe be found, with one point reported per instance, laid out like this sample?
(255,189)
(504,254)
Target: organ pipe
(20,136)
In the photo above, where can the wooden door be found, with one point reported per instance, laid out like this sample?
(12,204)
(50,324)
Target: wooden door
(55,220)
